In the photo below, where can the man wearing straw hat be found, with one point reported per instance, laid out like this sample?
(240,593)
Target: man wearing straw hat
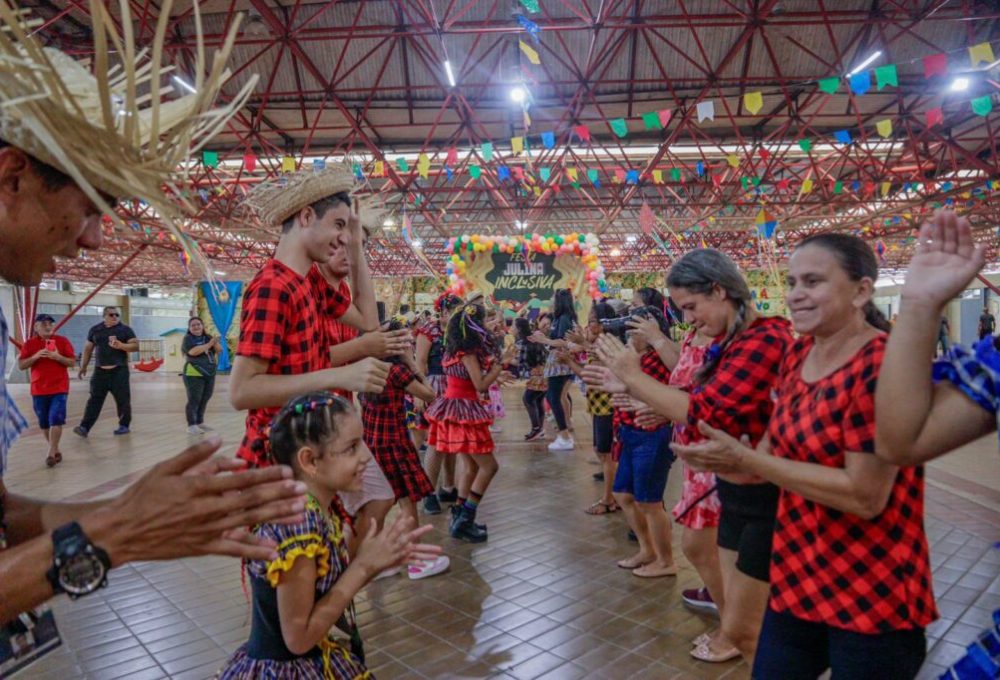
(283,349)
(66,150)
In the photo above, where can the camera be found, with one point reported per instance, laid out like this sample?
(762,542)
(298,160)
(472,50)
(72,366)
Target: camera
(619,325)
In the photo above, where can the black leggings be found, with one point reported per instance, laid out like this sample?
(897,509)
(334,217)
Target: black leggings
(534,401)
(556,385)
(199,391)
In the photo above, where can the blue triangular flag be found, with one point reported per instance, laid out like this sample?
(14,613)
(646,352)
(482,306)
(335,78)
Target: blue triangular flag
(700,168)
(449,171)
(549,139)
(861,82)
(545,173)
(319,164)
(503,172)
(842,136)
(855,185)
(632,177)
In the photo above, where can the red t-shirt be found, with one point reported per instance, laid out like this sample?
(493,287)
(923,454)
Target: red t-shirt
(48,376)
(282,322)
(863,575)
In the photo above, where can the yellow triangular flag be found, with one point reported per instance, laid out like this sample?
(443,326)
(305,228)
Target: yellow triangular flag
(885,188)
(754,101)
(884,127)
(538,191)
(733,160)
(658,176)
(529,52)
(807,186)
(379,169)
(517,144)
(288,164)
(981,52)
(423,165)
(571,173)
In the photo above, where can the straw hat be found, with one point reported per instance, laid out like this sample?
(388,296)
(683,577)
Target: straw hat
(277,200)
(111,130)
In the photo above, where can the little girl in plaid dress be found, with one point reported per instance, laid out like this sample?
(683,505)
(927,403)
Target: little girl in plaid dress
(302,626)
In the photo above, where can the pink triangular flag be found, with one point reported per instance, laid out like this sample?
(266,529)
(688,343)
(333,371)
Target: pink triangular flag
(249,162)
(934,116)
(664,115)
(452,156)
(935,64)
(583,132)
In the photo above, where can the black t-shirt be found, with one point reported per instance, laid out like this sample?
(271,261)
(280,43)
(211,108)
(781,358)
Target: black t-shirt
(561,326)
(107,355)
(204,363)
(987,323)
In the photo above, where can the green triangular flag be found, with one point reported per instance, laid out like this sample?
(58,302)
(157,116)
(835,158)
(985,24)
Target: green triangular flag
(652,120)
(806,144)
(829,85)
(675,174)
(886,75)
(531,6)
(756,181)
(210,159)
(982,105)
(745,183)
(545,173)
(403,165)
(838,187)
(593,176)
(487,150)
(620,127)
(475,171)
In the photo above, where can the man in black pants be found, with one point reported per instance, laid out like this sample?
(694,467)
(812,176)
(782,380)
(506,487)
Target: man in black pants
(113,340)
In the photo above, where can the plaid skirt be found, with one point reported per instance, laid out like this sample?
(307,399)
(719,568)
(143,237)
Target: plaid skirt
(343,664)
(402,469)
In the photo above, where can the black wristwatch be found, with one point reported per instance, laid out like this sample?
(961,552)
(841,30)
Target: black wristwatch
(78,566)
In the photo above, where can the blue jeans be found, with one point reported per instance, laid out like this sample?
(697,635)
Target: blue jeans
(792,649)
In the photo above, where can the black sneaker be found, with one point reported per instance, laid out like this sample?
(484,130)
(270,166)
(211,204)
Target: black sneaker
(431,505)
(465,529)
(81,430)
(447,496)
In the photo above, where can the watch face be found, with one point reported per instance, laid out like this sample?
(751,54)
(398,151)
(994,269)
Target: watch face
(81,574)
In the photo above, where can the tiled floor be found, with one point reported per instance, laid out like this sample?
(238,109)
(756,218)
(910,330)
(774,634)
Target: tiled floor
(542,599)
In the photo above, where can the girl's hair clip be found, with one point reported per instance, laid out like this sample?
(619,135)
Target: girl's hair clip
(308,406)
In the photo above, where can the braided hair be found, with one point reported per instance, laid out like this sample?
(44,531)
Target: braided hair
(306,420)
(467,330)
(701,271)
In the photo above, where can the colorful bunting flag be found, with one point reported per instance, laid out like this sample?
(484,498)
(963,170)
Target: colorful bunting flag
(675,174)
(249,162)
(665,115)
(766,224)
(594,178)
(452,157)
(706,110)
(449,172)
(632,177)
(754,101)
(733,160)
(503,172)
(700,168)
(423,165)
(402,165)
(935,116)
(886,75)
(531,6)
(806,144)
(620,127)
(763,153)
(486,149)
(842,136)
(829,85)
(885,188)
(549,140)
(517,144)
(838,187)
(318,164)
(982,105)
(717,180)
(647,220)
(518,172)
(745,183)
(287,164)
(475,172)
(529,52)
(619,175)
(379,169)
(545,174)
(884,127)
(807,186)
(861,82)
(657,176)
(210,159)
(935,64)
(651,119)
(583,132)
(571,174)
(981,53)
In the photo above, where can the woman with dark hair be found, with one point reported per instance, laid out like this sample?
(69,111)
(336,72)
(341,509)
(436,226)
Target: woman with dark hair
(460,422)
(732,392)
(199,373)
(529,359)
(649,297)
(559,374)
(850,569)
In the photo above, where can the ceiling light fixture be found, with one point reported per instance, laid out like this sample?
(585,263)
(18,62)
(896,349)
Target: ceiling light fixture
(388,222)
(615,252)
(449,73)
(631,238)
(254,26)
(960,84)
(417,243)
(520,225)
(518,94)
(863,65)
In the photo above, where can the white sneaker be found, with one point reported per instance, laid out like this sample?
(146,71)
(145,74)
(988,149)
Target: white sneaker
(437,566)
(562,444)
(386,573)
(194,431)
(205,428)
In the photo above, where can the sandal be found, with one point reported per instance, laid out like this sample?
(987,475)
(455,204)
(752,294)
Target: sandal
(702,639)
(51,461)
(705,653)
(644,572)
(602,508)
(632,563)
(58,457)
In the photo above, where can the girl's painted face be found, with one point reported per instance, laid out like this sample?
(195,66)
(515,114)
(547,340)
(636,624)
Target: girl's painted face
(345,457)
(196,327)
(710,313)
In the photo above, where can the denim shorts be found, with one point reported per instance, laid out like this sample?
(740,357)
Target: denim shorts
(50,409)
(644,464)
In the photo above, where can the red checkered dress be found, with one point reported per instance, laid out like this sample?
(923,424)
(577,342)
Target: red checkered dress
(460,421)
(281,323)
(867,576)
(384,419)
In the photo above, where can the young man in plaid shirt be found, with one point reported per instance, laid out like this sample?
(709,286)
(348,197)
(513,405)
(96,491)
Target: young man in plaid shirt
(284,342)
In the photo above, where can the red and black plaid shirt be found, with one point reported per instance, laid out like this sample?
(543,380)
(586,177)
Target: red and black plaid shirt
(867,576)
(737,398)
(282,322)
(654,367)
(384,415)
(338,332)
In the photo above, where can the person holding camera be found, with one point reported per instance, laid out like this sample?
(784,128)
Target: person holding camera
(49,357)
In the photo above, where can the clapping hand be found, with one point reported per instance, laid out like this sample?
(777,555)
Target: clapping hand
(720,453)
(947,259)
(648,328)
(621,359)
(394,546)
(603,379)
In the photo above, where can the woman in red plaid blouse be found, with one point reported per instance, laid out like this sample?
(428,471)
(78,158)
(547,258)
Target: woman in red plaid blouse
(850,572)
(732,392)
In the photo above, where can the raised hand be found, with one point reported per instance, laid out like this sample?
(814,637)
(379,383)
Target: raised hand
(603,379)
(622,360)
(194,505)
(367,375)
(946,260)
(648,328)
